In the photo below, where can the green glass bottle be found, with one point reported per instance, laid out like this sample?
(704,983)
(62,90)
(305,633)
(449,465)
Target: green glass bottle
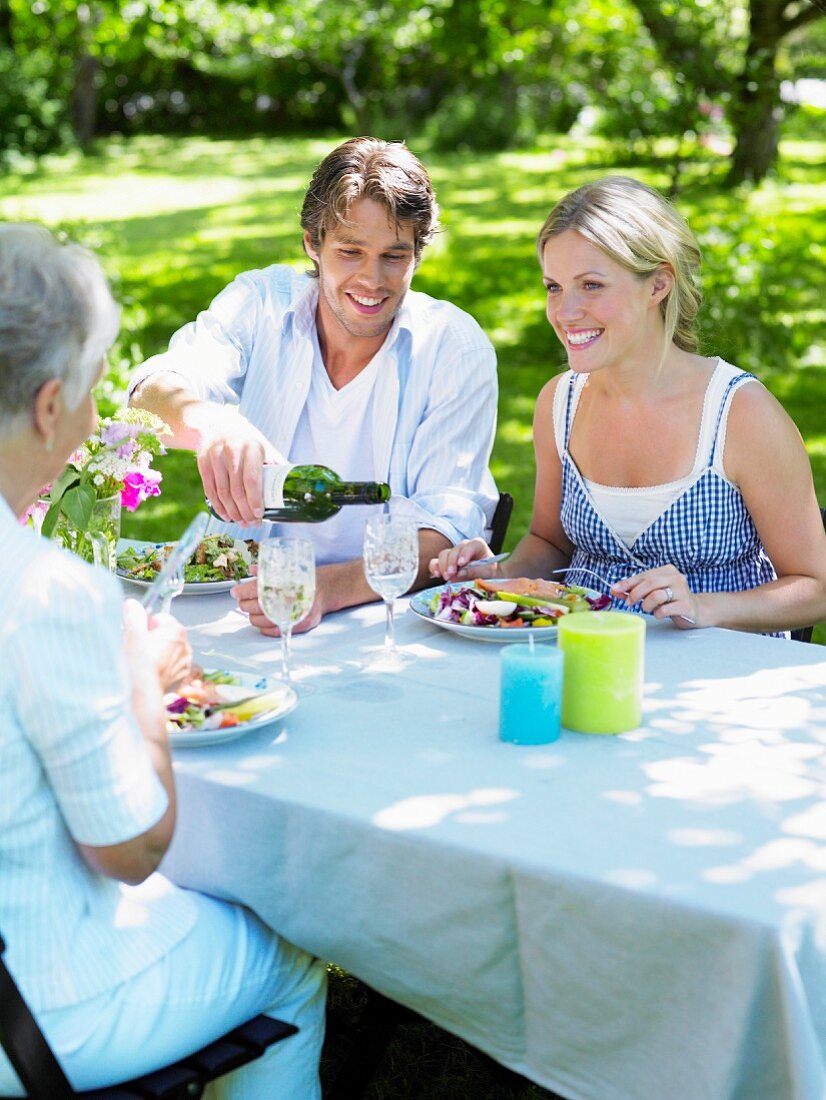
(310,494)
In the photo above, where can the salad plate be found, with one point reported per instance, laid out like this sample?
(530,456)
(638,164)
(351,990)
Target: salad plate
(436,607)
(138,564)
(260,702)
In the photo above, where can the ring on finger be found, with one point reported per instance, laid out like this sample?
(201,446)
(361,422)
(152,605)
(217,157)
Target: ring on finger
(669,594)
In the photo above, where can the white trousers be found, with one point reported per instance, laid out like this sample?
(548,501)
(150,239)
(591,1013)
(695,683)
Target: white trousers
(229,968)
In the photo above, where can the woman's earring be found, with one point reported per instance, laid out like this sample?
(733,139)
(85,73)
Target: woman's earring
(49,444)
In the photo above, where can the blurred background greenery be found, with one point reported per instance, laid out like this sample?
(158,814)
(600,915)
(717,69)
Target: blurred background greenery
(176,137)
(176,218)
(475,74)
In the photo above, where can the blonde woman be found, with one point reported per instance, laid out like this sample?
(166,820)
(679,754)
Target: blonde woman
(678,477)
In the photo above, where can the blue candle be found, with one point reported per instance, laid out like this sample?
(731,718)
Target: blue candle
(530,697)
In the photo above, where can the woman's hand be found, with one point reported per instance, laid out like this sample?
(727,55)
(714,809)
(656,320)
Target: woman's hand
(171,651)
(452,563)
(159,643)
(663,593)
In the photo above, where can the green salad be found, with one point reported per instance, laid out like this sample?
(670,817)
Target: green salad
(216,558)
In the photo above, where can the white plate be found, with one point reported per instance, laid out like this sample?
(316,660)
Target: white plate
(192,588)
(250,684)
(501,634)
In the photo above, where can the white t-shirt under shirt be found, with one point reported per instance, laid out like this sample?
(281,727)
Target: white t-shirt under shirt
(334,429)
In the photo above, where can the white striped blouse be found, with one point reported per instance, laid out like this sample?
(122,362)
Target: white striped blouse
(73,767)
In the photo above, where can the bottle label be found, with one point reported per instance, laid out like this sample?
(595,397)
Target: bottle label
(274,477)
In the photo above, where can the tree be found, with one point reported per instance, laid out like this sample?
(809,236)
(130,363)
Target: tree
(756,108)
(751,83)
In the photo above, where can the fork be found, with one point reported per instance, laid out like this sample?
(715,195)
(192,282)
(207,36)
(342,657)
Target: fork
(604,580)
(170,580)
(580,569)
(174,587)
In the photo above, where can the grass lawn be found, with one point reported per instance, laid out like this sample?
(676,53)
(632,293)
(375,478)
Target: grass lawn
(175,220)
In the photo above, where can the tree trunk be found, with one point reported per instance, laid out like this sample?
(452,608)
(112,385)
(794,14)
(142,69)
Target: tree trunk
(756,108)
(355,97)
(85,99)
(84,90)
(6,25)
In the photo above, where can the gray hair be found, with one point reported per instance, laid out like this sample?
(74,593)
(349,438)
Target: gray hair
(634,225)
(57,319)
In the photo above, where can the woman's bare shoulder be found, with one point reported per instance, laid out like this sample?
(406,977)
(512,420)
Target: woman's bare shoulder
(762,440)
(756,412)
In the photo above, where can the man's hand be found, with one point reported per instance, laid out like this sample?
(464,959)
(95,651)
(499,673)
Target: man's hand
(337,585)
(246,594)
(230,450)
(230,461)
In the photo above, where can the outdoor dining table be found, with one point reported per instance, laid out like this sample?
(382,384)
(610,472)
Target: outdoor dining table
(617,918)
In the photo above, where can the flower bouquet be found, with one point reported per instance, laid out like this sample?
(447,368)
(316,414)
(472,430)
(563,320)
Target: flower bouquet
(112,469)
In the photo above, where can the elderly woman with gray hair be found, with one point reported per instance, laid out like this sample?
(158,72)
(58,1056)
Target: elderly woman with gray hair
(124,971)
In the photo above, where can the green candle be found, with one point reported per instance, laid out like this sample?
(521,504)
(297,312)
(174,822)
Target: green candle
(603,671)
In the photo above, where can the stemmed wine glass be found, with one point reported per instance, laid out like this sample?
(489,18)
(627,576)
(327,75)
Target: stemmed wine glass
(286,587)
(391,562)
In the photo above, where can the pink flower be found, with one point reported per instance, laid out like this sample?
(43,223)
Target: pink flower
(137,486)
(36,512)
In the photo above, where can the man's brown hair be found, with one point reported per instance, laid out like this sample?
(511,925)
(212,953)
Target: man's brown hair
(369,168)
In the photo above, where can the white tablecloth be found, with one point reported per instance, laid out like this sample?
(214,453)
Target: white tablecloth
(627,918)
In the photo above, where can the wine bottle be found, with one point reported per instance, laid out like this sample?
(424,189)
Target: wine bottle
(310,494)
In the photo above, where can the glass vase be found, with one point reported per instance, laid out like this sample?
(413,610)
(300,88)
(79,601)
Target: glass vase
(98,544)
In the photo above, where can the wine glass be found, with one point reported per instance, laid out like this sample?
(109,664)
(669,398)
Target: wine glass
(286,587)
(391,562)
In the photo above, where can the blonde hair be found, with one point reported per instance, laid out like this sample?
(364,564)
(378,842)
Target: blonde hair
(635,226)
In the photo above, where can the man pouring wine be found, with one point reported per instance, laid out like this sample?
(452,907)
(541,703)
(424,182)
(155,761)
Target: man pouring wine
(344,366)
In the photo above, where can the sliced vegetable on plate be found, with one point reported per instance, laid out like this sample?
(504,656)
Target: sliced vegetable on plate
(215,702)
(217,558)
(513,603)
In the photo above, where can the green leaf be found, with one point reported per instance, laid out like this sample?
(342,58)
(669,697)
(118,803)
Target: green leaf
(50,519)
(77,504)
(65,481)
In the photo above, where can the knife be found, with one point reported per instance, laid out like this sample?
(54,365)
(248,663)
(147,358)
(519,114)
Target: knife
(163,586)
(257,703)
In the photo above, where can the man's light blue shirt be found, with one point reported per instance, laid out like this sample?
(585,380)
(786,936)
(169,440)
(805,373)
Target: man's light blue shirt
(434,410)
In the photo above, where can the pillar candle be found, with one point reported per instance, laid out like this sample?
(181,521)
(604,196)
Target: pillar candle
(530,695)
(604,657)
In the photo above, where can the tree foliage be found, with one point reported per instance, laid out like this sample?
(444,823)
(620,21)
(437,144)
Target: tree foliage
(747,78)
(458,73)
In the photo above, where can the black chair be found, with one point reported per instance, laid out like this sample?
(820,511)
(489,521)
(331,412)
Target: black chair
(43,1079)
(499,523)
(804,633)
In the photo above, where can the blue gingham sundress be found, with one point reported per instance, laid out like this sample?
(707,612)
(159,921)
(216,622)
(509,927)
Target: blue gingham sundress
(706,533)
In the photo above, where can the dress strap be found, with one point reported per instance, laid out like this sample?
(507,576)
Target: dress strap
(566,398)
(718,441)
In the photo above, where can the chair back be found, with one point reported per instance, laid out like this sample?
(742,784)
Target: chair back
(43,1079)
(24,1043)
(499,523)
(804,633)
